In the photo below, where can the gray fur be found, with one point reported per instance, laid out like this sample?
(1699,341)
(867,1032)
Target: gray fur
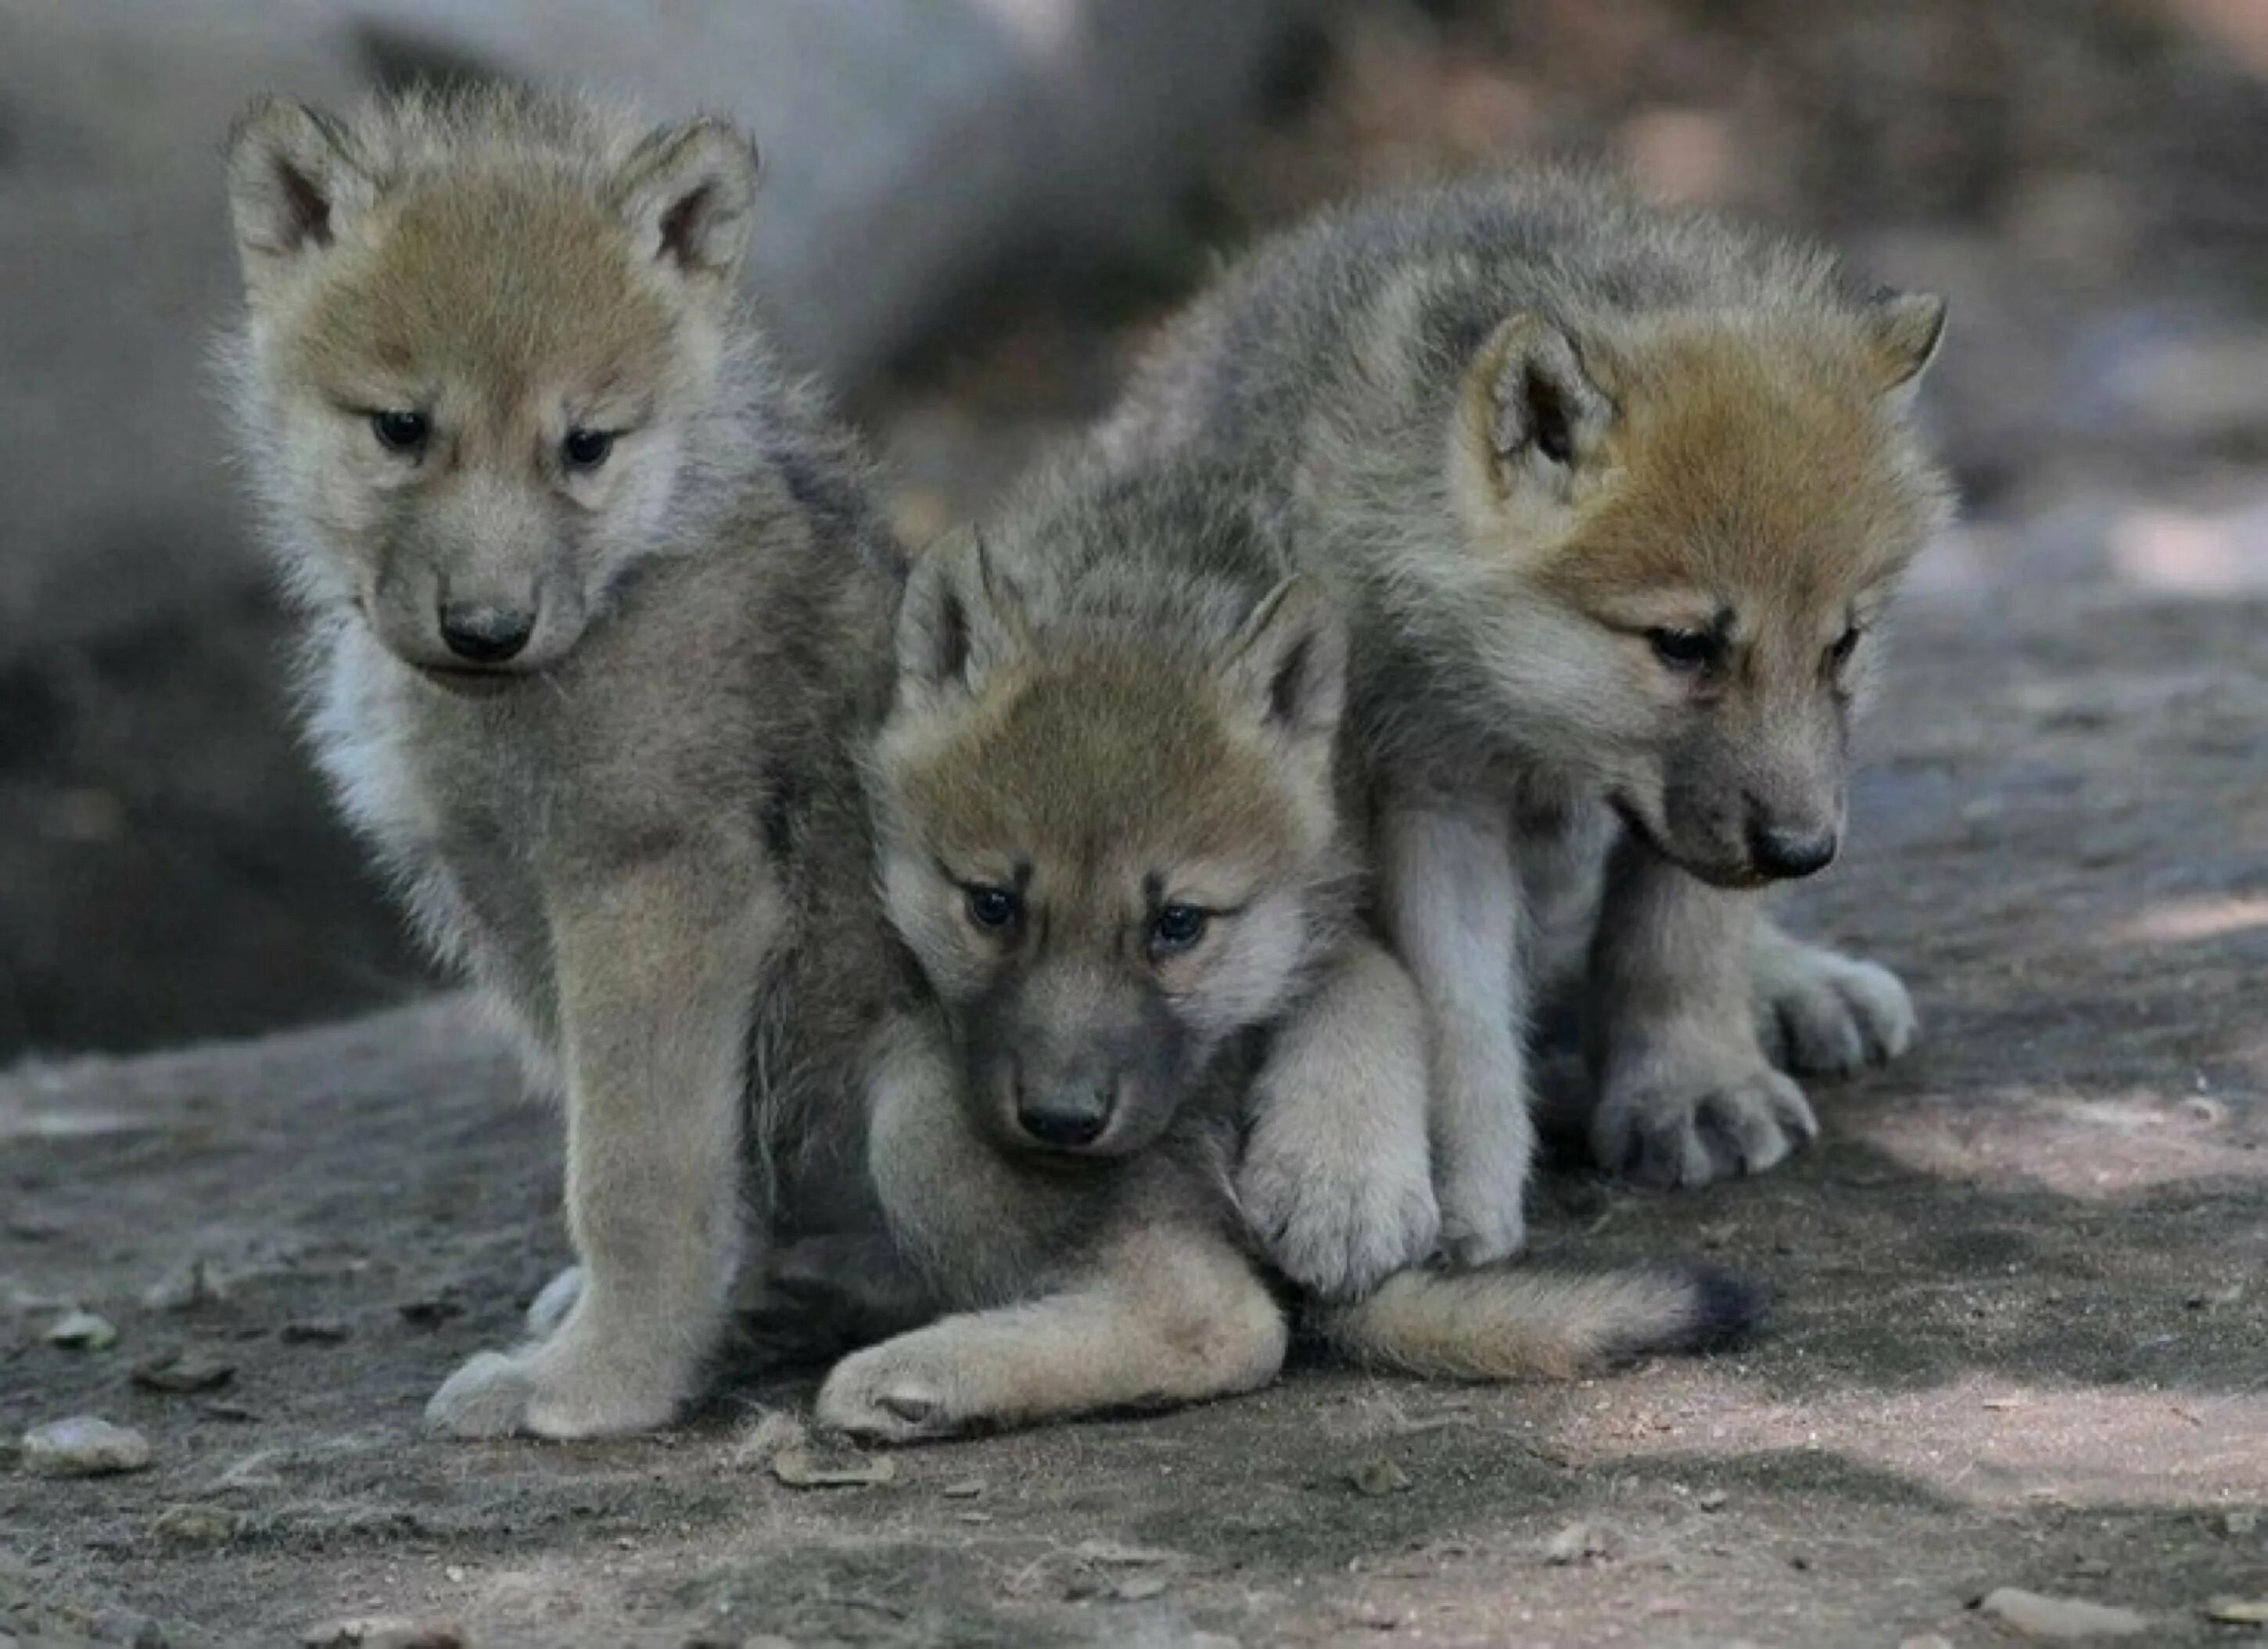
(1495,708)
(647,840)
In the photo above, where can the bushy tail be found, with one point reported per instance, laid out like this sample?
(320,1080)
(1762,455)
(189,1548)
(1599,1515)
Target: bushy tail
(1507,1321)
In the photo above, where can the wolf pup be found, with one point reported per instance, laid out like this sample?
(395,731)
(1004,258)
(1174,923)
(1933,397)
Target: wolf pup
(597,622)
(1110,835)
(1616,500)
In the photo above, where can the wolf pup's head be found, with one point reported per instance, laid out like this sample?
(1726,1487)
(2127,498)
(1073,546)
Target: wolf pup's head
(1109,851)
(1681,535)
(484,336)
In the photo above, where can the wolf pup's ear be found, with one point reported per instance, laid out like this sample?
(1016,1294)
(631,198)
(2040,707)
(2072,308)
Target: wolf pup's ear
(1531,407)
(1907,329)
(293,184)
(960,619)
(1288,662)
(688,191)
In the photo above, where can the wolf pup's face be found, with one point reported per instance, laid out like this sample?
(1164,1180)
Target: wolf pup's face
(1105,856)
(474,373)
(1682,536)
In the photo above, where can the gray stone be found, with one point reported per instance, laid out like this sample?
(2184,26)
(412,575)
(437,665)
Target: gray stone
(83,1447)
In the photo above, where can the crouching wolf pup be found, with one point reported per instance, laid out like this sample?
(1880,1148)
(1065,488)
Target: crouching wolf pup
(1616,500)
(1109,837)
(597,622)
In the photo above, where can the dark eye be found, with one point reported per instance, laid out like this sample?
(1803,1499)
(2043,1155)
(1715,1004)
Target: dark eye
(994,907)
(1683,648)
(1845,645)
(1175,928)
(586,449)
(400,431)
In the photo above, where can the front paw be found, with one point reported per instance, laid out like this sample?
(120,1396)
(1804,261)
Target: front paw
(1819,1014)
(891,1393)
(560,1389)
(1337,1228)
(1483,1211)
(1686,1124)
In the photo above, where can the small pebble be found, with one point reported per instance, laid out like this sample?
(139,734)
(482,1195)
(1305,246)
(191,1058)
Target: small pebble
(1375,1477)
(191,1284)
(2238,1611)
(194,1525)
(2244,1522)
(83,1331)
(967,1489)
(1714,1500)
(1137,1587)
(83,1447)
(2061,1619)
(183,1372)
(832,1469)
(1578,1542)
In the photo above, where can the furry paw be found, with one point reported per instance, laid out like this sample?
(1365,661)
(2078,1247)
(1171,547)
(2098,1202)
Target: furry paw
(1688,1127)
(891,1393)
(1335,1227)
(551,1391)
(1483,1211)
(1819,1014)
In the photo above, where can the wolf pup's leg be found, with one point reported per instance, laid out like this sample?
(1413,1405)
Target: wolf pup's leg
(1336,1177)
(1173,1314)
(1685,1094)
(1822,1013)
(656,984)
(1451,903)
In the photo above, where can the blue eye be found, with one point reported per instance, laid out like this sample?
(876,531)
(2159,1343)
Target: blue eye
(1175,928)
(400,431)
(994,907)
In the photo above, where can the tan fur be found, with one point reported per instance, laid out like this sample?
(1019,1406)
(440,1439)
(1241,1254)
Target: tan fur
(1108,705)
(1615,500)
(598,718)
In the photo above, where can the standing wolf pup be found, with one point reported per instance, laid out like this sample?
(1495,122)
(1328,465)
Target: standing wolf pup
(1616,499)
(1110,833)
(598,620)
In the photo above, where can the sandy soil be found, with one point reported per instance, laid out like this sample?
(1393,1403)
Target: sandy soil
(2023,1336)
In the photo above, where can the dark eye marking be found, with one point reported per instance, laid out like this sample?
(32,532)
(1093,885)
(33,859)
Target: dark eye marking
(585,450)
(1176,928)
(399,431)
(994,909)
(1846,643)
(1686,650)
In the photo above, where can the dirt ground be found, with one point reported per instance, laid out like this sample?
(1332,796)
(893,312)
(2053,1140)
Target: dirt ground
(2022,1336)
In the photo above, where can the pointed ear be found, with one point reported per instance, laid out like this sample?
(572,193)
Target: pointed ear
(960,619)
(1906,329)
(1530,407)
(686,191)
(293,183)
(1288,662)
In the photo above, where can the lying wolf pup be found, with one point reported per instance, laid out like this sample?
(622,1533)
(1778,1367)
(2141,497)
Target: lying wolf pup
(1109,836)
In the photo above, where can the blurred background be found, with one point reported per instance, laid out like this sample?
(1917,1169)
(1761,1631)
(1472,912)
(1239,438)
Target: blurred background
(975,210)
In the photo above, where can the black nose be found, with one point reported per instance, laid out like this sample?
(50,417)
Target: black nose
(1067,1117)
(1788,854)
(485,635)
